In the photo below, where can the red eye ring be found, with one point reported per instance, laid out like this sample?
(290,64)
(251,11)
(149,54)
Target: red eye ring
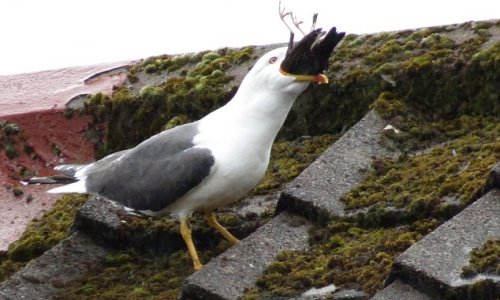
(273,59)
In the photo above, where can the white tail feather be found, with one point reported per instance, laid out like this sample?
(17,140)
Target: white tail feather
(76,187)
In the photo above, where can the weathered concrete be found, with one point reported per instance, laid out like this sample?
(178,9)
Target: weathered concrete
(228,275)
(399,290)
(493,180)
(98,218)
(434,264)
(65,262)
(316,193)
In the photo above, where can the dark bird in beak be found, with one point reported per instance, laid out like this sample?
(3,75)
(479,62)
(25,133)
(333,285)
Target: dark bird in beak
(308,59)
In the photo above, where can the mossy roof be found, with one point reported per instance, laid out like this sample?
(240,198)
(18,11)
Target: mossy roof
(437,85)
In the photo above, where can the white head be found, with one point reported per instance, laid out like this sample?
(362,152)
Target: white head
(266,75)
(290,69)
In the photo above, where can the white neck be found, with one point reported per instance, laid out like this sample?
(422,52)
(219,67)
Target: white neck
(258,116)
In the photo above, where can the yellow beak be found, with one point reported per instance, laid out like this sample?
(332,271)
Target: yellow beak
(320,78)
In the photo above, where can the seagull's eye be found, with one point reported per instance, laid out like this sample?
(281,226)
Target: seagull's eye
(273,59)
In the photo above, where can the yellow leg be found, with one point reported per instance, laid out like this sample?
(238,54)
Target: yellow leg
(212,221)
(186,235)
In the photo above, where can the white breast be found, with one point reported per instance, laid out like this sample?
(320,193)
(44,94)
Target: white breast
(241,158)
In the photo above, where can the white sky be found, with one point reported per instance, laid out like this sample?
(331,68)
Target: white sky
(47,34)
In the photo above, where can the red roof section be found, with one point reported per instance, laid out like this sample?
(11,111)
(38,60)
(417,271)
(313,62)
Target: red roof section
(36,102)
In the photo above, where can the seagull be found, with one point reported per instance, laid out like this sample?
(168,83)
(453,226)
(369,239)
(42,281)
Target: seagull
(213,162)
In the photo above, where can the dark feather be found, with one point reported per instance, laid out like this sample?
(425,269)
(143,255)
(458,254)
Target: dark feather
(155,173)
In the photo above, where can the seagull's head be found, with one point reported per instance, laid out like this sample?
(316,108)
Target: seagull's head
(292,68)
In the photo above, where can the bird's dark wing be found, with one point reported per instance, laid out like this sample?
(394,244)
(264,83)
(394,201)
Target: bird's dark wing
(155,173)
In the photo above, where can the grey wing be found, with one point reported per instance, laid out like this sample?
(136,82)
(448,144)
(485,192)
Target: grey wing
(155,173)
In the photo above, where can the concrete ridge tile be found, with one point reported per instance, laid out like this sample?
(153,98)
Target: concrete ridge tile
(66,261)
(317,191)
(434,263)
(231,273)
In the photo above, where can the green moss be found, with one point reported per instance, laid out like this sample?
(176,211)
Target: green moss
(10,150)
(488,56)
(148,91)
(176,121)
(41,234)
(158,64)
(386,52)
(242,55)
(388,106)
(17,191)
(9,128)
(484,260)
(10,138)
(407,185)
(210,56)
(437,41)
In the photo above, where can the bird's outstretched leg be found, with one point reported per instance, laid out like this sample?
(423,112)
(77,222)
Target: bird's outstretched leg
(186,235)
(212,221)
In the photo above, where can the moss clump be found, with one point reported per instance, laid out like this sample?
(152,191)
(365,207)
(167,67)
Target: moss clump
(10,138)
(41,234)
(17,191)
(176,121)
(405,188)
(158,64)
(9,128)
(484,260)
(388,106)
(13,143)
(437,41)
(243,55)
(289,159)
(456,171)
